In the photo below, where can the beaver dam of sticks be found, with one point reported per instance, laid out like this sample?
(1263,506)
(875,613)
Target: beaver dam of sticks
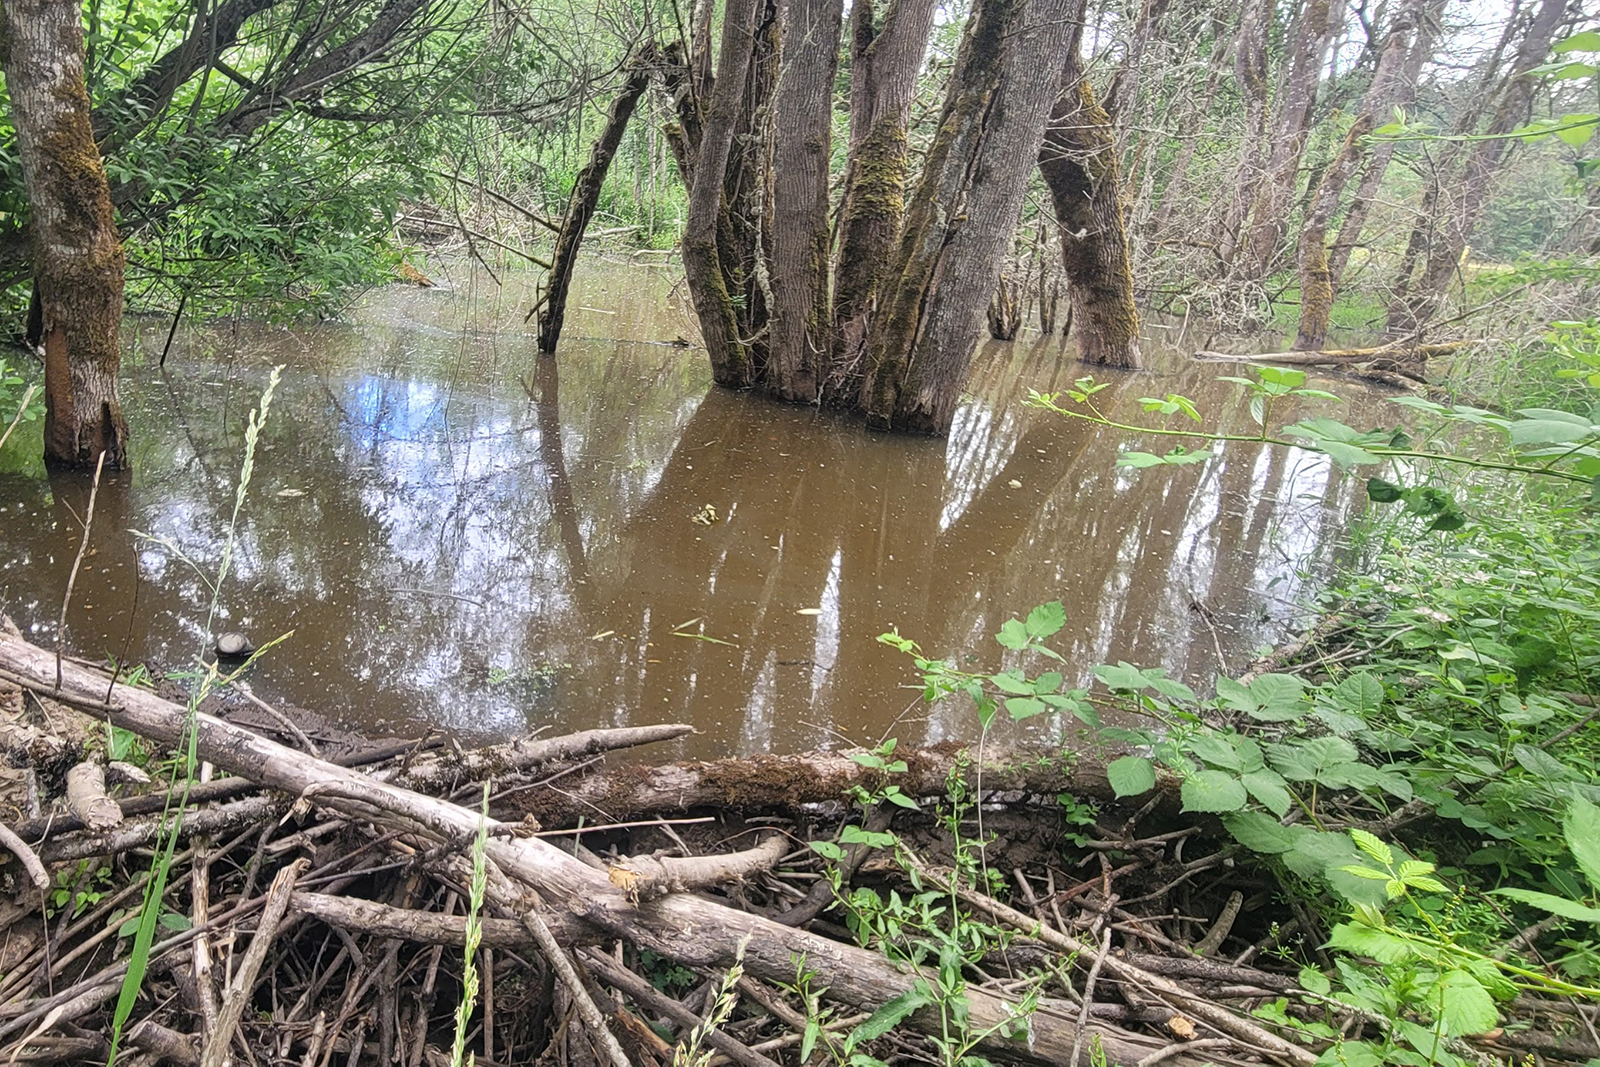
(351,905)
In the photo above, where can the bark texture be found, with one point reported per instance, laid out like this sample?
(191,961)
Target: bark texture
(78,264)
(885,62)
(585,195)
(1317,287)
(801,152)
(1457,208)
(1078,161)
(965,208)
(731,365)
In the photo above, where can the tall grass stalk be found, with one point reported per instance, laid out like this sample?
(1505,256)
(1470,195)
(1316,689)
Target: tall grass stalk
(172,814)
(469,965)
(691,1053)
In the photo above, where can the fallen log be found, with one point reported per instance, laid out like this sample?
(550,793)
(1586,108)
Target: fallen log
(765,782)
(685,928)
(1333,357)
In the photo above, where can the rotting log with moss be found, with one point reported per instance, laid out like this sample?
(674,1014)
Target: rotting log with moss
(1079,165)
(78,264)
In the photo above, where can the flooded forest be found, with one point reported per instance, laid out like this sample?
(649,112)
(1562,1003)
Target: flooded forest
(800,533)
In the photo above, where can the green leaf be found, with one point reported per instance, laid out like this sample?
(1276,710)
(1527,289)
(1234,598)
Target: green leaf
(1359,694)
(893,1013)
(1213,791)
(1279,697)
(1315,981)
(1262,833)
(1046,619)
(1013,635)
(1020,708)
(1011,682)
(1373,846)
(1587,41)
(1269,790)
(1347,456)
(1215,750)
(1131,775)
(1576,128)
(1536,761)
(1383,492)
(1525,432)
(1463,1005)
(1359,939)
(855,835)
(1581,828)
(1567,909)
(173,921)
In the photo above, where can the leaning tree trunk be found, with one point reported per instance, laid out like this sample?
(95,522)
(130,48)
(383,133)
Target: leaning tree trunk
(1470,193)
(885,63)
(1318,24)
(1250,69)
(1078,162)
(731,364)
(78,266)
(802,123)
(1316,277)
(1355,216)
(920,349)
(585,195)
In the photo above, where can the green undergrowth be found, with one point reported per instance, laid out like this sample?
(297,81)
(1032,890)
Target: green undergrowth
(1419,777)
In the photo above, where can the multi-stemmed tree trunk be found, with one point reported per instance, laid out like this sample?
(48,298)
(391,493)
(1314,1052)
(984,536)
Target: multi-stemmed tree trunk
(1460,203)
(1250,70)
(885,64)
(77,257)
(1316,277)
(1078,161)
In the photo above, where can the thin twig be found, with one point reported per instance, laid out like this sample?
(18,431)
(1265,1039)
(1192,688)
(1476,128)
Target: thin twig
(72,578)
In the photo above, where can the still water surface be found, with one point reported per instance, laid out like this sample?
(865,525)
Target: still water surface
(460,534)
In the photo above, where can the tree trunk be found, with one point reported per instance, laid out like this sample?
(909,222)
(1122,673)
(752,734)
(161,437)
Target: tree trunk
(1078,162)
(1317,25)
(965,210)
(1355,216)
(585,195)
(1250,68)
(731,364)
(1461,204)
(78,265)
(1316,277)
(802,120)
(883,82)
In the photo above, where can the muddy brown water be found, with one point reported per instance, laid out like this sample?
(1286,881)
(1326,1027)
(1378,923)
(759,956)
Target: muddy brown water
(455,533)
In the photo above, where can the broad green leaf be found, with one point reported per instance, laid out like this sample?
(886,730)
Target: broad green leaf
(1463,1005)
(1279,697)
(1546,431)
(1013,635)
(1011,682)
(1213,791)
(1587,41)
(1581,828)
(1269,790)
(1538,762)
(1130,776)
(1567,909)
(1359,939)
(1359,694)
(1216,750)
(1347,456)
(1383,492)
(1046,620)
(1315,981)
(855,835)
(1261,833)
(1020,708)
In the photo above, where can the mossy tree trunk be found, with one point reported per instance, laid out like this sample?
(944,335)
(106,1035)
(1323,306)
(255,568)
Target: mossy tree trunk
(731,364)
(1317,286)
(973,231)
(78,265)
(885,63)
(801,152)
(585,196)
(1078,162)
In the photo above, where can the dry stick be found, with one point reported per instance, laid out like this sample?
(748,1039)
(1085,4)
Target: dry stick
(644,993)
(164,1044)
(72,578)
(237,997)
(30,862)
(1214,1014)
(280,718)
(587,1009)
(27,395)
(1088,996)
(200,908)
